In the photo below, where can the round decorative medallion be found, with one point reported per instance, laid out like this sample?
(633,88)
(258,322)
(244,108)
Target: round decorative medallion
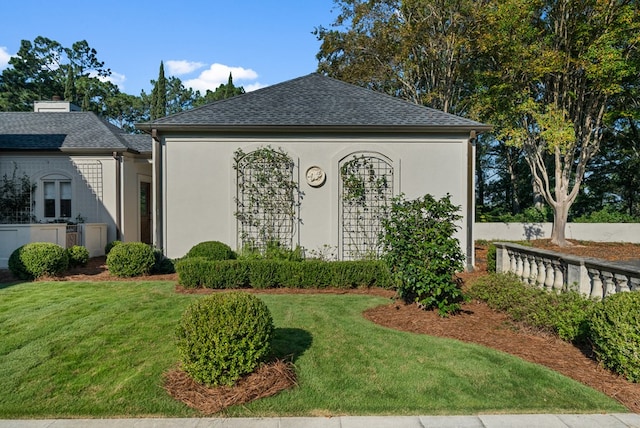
(315,176)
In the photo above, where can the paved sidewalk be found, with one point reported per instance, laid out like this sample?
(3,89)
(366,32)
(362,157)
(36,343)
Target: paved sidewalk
(618,420)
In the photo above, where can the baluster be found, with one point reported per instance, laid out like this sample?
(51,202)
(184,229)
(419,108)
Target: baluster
(513,265)
(519,266)
(558,277)
(533,275)
(596,284)
(542,273)
(634,283)
(608,284)
(526,269)
(548,282)
(622,283)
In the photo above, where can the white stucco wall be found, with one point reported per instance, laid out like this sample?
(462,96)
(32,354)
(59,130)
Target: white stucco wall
(199,182)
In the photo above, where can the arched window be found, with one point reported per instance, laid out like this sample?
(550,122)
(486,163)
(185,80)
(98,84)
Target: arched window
(266,198)
(366,190)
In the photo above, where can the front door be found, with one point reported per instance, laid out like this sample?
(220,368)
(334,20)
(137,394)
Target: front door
(145,213)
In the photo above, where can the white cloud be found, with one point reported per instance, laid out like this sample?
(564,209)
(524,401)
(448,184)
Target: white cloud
(178,68)
(115,78)
(252,87)
(4,58)
(218,74)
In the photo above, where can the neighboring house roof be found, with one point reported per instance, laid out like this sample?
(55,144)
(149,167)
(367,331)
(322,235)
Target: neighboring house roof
(68,131)
(314,101)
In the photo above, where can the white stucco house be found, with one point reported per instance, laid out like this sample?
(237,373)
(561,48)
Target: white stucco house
(84,170)
(346,151)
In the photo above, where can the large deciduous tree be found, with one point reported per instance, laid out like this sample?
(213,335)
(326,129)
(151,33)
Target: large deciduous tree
(550,69)
(415,49)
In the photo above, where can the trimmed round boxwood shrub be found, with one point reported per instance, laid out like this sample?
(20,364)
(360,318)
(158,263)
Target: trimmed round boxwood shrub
(78,255)
(223,337)
(110,245)
(38,259)
(212,250)
(615,334)
(130,259)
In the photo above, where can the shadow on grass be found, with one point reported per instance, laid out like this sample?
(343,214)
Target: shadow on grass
(290,343)
(4,285)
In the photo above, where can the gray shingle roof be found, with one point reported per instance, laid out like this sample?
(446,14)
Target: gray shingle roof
(313,100)
(65,131)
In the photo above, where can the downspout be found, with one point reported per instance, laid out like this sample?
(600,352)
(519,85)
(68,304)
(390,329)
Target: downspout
(118,159)
(471,200)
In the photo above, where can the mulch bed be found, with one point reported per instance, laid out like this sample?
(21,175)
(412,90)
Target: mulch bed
(267,380)
(476,324)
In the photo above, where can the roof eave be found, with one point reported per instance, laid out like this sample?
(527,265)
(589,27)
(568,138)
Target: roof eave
(72,150)
(162,127)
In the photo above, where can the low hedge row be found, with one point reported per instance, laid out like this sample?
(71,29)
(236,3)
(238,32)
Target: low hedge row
(610,326)
(196,272)
(563,314)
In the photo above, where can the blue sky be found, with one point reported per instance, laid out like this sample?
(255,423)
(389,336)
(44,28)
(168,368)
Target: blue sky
(260,42)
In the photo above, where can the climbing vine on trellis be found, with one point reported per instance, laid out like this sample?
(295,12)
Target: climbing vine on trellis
(267,198)
(366,193)
(16,198)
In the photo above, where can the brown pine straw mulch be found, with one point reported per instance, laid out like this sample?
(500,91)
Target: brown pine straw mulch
(267,380)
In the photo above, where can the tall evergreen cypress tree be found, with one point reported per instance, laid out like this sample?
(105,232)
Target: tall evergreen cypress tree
(159,96)
(70,93)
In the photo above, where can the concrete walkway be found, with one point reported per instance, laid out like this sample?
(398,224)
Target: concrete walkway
(618,420)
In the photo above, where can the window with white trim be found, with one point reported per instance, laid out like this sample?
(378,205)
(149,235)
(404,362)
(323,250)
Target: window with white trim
(57,196)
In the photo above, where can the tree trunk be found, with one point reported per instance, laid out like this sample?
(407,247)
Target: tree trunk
(560,215)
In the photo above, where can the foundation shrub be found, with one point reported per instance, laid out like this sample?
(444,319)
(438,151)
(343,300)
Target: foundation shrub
(130,259)
(615,335)
(265,273)
(212,250)
(38,259)
(78,255)
(197,272)
(162,264)
(223,337)
(110,245)
(194,272)
(360,273)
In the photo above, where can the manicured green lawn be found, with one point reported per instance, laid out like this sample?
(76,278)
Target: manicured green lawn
(78,349)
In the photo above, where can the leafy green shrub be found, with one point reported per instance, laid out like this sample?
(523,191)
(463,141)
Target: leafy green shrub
(565,314)
(422,253)
(78,255)
(38,259)
(261,273)
(110,245)
(608,214)
(223,337)
(273,251)
(130,259)
(264,273)
(491,258)
(162,264)
(212,250)
(199,272)
(615,334)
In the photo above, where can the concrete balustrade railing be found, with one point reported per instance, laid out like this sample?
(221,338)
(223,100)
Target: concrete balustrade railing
(556,272)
